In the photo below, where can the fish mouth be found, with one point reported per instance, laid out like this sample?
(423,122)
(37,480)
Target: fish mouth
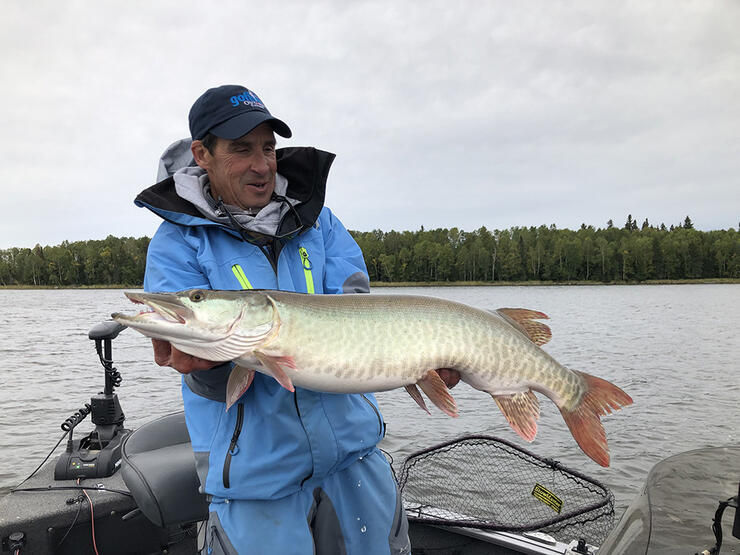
(166,305)
(164,309)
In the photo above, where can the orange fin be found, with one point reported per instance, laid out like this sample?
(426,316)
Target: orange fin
(601,397)
(240,379)
(275,364)
(437,391)
(416,396)
(522,410)
(523,319)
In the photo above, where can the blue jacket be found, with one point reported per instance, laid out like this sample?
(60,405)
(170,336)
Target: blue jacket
(272,442)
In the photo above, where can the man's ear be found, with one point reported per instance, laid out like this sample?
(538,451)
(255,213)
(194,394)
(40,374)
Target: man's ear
(201,154)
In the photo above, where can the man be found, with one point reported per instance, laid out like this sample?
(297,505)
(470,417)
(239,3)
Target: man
(285,472)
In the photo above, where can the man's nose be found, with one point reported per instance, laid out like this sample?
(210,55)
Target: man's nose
(260,163)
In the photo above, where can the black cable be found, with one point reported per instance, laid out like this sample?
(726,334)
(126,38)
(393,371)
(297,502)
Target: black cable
(78,488)
(76,417)
(79,501)
(67,426)
(42,462)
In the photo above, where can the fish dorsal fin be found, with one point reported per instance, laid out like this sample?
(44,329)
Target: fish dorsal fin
(523,319)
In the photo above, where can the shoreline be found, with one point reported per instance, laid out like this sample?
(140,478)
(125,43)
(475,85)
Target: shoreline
(380,284)
(701,281)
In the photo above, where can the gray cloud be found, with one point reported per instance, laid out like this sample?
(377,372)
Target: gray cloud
(488,114)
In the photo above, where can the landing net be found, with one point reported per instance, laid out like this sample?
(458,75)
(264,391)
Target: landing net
(488,483)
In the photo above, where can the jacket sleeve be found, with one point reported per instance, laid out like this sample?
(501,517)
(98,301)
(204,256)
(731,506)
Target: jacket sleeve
(171,262)
(345,266)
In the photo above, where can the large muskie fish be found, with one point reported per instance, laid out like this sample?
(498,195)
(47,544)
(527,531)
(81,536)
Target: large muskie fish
(363,343)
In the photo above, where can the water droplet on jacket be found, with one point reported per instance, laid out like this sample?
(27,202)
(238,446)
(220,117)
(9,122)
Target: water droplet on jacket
(359,483)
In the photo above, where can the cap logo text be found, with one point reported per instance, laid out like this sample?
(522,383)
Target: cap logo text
(248,98)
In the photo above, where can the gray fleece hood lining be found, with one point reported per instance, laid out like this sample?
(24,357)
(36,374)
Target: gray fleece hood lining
(191,184)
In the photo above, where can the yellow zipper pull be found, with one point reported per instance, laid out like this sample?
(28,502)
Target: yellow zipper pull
(307,269)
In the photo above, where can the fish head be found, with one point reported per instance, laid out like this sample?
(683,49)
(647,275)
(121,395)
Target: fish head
(199,316)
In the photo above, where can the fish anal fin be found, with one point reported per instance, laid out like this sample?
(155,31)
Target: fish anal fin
(522,410)
(523,319)
(436,389)
(275,365)
(240,379)
(416,396)
(584,422)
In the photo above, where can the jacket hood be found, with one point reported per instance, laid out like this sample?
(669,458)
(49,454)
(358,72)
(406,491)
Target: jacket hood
(305,168)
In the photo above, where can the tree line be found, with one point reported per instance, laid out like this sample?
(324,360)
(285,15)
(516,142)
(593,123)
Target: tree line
(544,253)
(111,261)
(627,253)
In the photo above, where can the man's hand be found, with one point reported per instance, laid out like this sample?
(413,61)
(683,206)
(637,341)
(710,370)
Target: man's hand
(166,355)
(449,377)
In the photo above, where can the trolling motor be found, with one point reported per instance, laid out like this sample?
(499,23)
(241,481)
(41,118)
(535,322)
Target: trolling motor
(98,454)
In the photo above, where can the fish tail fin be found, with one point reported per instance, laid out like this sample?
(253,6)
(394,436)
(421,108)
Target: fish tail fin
(584,420)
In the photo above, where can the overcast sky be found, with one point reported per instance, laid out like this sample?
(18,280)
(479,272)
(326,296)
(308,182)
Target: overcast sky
(442,114)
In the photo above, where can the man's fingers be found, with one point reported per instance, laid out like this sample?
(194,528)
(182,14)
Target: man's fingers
(185,363)
(162,351)
(166,355)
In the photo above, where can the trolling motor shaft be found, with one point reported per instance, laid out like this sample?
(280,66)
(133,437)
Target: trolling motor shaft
(107,414)
(98,454)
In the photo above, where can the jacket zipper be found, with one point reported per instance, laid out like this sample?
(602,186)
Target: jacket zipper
(380,420)
(307,267)
(234,439)
(298,411)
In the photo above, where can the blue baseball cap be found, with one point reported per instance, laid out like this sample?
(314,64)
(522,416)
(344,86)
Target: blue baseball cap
(229,112)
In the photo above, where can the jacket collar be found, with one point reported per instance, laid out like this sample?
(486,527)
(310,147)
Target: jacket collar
(306,169)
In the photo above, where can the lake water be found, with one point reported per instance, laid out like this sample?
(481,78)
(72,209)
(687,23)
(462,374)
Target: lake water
(673,348)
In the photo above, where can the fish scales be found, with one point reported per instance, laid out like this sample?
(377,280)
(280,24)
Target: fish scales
(367,343)
(372,341)
(369,339)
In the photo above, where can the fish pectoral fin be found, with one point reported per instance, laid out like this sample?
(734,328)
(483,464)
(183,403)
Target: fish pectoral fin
(523,320)
(275,365)
(436,389)
(522,410)
(240,379)
(416,396)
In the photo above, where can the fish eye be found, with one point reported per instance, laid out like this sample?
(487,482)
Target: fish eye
(197,296)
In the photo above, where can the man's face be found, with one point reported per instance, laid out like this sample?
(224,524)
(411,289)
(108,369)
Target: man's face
(241,171)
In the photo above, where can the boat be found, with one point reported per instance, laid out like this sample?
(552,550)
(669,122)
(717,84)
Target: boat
(121,491)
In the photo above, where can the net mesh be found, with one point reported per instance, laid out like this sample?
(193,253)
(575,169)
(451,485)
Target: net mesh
(488,483)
